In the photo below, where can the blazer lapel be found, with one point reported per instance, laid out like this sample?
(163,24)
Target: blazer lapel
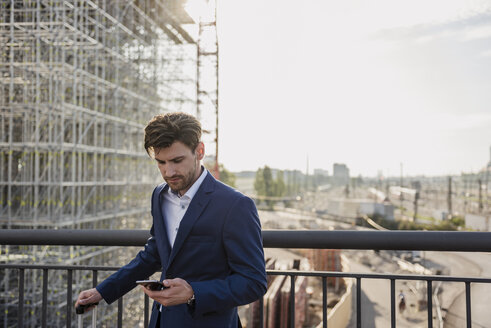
(160,229)
(196,207)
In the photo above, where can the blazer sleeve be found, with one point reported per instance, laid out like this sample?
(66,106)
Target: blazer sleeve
(244,250)
(146,262)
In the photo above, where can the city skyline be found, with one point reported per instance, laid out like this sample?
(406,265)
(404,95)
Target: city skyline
(369,86)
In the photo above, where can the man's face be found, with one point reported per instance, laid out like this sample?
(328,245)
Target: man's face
(179,165)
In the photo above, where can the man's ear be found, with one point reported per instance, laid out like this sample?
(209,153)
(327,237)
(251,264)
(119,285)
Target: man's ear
(200,150)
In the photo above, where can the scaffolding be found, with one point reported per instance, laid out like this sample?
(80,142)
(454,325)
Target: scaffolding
(78,81)
(207,81)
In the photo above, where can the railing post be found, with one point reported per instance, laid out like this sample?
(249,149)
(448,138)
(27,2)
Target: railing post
(20,314)
(358,302)
(94,278)
(292,301)
(146,311)
(261,312)
(44,309)
(120,312)
(468,304)
(69,299)
(324,302)
(392,303)
(94,311)
(429,301)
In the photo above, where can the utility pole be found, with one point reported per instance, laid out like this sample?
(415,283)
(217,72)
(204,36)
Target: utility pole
(416,198)
(486,184)
(307,175)
(449,197)
(479,182)
(401,196)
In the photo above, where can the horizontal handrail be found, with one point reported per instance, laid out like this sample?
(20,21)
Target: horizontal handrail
(463,241)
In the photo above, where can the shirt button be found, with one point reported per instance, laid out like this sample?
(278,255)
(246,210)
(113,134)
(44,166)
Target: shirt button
(183,207)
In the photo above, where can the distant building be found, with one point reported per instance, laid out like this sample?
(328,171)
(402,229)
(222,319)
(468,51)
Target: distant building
(354,208)
(340,174)
(321,172)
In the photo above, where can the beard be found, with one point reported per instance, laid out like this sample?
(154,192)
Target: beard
(181,182)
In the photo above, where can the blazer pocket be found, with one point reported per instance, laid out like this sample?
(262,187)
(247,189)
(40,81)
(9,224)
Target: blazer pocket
(201,239)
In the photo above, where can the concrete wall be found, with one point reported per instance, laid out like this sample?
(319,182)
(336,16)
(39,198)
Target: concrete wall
(340,315)
(477,222)
(353,208)
(440,214)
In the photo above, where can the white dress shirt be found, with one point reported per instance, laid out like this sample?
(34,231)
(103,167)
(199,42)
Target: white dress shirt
(174,207)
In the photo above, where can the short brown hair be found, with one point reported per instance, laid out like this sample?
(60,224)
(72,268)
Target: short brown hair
(163,130)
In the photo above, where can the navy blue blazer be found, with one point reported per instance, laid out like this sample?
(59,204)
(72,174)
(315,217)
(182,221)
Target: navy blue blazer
(218,251)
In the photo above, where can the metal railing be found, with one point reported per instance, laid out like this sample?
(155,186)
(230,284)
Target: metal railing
(309,239)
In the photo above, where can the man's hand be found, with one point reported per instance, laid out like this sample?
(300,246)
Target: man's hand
(88,296)
(179,292)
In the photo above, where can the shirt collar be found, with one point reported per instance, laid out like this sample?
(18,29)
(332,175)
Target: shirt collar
(194,188)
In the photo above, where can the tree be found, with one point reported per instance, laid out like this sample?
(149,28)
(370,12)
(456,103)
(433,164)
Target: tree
(267,187)
(279,185)
(227,177)
(259,183)
(268,181)
(264,184)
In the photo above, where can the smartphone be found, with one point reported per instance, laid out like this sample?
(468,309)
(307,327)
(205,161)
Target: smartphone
(80,308)
(151,284)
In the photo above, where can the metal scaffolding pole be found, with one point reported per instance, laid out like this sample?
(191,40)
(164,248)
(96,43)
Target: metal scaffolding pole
(207,82)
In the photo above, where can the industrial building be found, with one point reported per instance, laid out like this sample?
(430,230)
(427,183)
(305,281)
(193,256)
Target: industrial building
(340,174)
(78,82)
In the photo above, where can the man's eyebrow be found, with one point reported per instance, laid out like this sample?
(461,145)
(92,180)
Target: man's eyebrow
(176,158)
(170,160)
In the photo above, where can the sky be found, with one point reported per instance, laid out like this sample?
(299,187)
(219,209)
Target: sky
(372,84)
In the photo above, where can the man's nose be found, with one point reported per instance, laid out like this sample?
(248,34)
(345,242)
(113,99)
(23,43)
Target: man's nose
(169,171)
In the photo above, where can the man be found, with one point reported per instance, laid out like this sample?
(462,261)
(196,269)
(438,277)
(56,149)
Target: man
(206,238)
(402,302)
